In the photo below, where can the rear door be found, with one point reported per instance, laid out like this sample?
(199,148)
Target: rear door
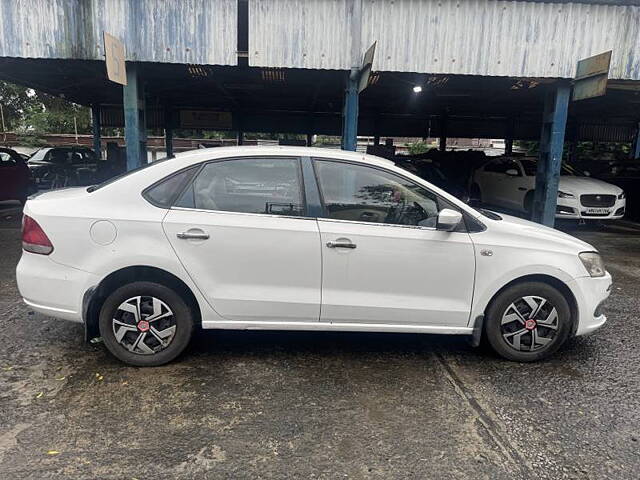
(384,262)
(241,232)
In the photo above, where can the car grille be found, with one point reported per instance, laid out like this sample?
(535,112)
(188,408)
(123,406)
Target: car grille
(597,200)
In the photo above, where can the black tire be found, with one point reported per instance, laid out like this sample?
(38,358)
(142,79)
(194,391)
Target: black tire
(495,331)
(182,318)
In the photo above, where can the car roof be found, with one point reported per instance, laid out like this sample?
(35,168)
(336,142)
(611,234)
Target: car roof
(240,151)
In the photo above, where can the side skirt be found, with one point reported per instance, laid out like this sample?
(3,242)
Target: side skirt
(343,327)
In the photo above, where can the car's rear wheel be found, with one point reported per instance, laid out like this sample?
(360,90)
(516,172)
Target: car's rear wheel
(145,324)
(528,321)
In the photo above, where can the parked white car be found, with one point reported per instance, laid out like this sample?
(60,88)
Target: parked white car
(289,238)
(509,182)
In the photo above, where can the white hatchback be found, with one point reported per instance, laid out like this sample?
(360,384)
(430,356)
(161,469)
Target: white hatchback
(288,238)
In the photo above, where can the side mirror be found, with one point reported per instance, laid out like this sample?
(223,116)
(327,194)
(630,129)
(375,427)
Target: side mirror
(448,220)
(512,172)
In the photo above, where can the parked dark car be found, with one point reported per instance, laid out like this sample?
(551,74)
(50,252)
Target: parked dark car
(431,171)
(15,178)
(57,167)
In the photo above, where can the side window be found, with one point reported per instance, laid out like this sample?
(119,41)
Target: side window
(496,166)
(501,166)
(365,194)
(248,185)
(163,194)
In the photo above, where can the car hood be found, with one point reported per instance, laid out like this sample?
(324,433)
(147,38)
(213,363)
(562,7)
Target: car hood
(533,235)
(585,185)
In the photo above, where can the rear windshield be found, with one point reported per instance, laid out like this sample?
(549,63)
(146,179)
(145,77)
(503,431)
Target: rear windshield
(39,155)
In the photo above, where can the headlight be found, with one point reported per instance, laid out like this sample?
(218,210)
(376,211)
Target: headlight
(562,194)
(592,261)
(621,196)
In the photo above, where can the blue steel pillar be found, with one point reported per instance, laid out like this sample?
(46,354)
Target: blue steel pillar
(508,141)
(168,133)
(554,123)
(95,123)
(443,133)
(135,132)
(635,147)
(350,113)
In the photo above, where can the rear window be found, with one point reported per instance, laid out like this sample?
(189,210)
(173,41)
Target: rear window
(163,193)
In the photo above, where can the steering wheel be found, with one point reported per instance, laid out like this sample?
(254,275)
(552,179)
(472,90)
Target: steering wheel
(420,210)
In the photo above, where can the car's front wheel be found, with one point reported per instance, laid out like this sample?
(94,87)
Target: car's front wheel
(145,324)
(528,321)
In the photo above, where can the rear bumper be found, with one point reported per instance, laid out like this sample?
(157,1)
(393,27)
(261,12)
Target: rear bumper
(51,288)
(590,293)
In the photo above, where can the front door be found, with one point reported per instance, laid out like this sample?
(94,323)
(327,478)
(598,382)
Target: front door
(384,262)
(240,232)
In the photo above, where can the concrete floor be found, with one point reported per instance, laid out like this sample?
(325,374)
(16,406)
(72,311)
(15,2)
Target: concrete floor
(322,405)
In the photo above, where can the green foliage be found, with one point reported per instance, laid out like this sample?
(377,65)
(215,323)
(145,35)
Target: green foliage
(417,148)
(14,100)
(29,112)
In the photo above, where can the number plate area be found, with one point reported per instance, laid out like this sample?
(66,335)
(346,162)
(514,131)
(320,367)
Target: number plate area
(599,211)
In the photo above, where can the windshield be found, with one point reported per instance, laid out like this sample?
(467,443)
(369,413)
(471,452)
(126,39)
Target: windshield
(93,188)
(531,167)
(39,155)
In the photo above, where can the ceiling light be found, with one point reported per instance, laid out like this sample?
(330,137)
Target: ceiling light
(417,89)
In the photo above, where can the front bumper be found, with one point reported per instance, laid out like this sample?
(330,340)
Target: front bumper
(52,289)
(571,208)
(590,292)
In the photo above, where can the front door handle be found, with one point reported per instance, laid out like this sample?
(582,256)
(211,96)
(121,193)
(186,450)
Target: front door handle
(193,235)
(341,245)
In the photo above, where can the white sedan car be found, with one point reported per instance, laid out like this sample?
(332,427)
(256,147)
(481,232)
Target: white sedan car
(287,238)
(509,182)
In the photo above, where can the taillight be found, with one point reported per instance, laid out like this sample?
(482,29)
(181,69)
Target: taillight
(34,239)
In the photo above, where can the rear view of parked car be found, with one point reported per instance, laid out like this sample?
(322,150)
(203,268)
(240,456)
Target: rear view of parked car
(15,178)
(57,167)
(287,238)
(509,182)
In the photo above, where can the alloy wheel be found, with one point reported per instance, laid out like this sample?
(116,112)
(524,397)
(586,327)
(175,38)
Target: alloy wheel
(529,324)
(144,325)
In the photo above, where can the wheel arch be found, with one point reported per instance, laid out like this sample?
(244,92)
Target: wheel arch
(555,282)
(94,297)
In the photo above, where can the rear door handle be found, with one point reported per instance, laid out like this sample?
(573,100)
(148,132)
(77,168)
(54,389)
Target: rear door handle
(193,235)
(341,245)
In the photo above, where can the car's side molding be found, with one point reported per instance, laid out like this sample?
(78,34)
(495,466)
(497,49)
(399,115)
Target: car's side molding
(337,326)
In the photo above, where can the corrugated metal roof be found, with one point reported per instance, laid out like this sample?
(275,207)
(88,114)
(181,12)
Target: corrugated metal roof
(300,33)
(188,31)
(474,37)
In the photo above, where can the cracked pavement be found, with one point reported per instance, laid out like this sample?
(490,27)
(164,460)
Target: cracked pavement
(321,405)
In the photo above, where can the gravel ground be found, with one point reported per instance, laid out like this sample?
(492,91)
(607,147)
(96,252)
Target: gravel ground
(321,405)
